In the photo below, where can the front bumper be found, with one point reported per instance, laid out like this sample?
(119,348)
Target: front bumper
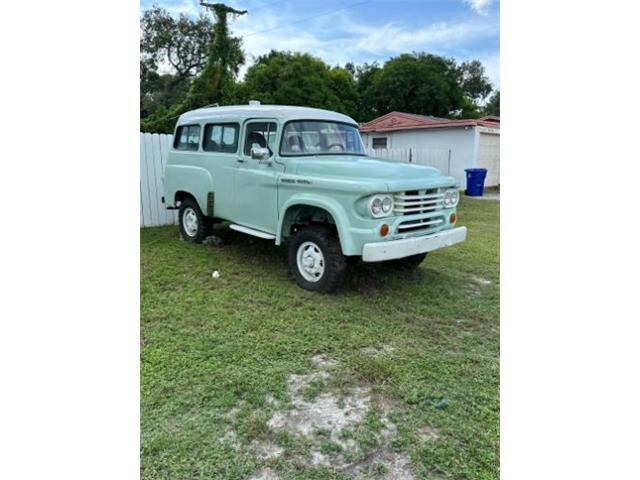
(380,251)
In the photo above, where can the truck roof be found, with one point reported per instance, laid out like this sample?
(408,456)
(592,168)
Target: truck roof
(281,112)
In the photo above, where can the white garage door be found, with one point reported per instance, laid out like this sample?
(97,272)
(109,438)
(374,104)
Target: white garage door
(489,157)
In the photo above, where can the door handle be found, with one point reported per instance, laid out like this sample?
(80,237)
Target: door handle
(241,160)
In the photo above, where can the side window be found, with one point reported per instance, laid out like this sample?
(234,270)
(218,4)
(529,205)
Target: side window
(260,134)
(380,142)
(187,138)
(221,137)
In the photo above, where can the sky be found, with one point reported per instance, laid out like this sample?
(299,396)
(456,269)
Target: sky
(359,31)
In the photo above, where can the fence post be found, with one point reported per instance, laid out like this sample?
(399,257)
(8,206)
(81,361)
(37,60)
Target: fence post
(449,163)
(410,156)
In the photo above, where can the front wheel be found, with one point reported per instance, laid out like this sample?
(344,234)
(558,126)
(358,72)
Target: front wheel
(316,260)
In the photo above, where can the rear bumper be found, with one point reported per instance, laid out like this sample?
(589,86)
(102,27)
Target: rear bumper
(380,251)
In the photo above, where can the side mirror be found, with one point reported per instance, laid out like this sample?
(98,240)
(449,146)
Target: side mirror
(259,153)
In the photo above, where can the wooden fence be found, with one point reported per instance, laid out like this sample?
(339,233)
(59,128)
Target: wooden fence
(153,158)
(439,158)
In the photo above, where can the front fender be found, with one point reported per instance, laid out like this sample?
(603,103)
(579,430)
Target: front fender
(337,211)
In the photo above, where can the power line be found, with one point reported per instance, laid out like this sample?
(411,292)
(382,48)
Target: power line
(264,5)
(306,18)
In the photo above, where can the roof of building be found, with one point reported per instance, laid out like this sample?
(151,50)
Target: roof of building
(280,112)
(408,121)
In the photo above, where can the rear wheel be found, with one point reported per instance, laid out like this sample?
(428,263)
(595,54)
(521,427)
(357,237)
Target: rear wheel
(316,260)
(408,263)
(194,225)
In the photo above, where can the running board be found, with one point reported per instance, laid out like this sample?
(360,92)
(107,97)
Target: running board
(251,231)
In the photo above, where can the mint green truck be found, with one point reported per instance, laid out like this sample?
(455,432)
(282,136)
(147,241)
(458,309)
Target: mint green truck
(301,176)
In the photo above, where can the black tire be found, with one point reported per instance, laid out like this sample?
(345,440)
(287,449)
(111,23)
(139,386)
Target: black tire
(204,224)
(334,262)
(408,263)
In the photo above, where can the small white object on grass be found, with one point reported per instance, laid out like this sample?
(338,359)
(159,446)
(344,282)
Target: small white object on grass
(215,274)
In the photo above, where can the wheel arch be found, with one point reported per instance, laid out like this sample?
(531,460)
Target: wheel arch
(308,210)
(180,195)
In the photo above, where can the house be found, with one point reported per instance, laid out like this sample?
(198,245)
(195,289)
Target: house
(470,142)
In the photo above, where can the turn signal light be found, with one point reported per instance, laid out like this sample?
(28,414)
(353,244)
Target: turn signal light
(452,218)
(384,230)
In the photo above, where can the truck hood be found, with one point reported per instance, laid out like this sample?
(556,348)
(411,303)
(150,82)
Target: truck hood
(396,175)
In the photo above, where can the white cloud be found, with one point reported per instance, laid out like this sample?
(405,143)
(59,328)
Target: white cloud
(338,38)
(358,42)
(188,7)
(481,7)
(397,38)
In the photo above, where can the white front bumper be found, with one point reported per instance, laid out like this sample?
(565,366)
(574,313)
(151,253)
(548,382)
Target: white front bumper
(380,251)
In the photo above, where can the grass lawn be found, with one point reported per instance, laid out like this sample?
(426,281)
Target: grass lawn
(221,360)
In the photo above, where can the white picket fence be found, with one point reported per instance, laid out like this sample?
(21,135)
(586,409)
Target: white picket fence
(153,158)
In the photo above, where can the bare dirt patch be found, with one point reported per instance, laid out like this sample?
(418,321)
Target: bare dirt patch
(333,425)
(323,361)
(385,464)
(326,411)
(297,383)
(267,450)
(265,474)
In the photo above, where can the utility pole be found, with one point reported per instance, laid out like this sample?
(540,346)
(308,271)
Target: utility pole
(215,79)
(221,11)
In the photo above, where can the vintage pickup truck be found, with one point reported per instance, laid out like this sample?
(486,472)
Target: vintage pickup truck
(301,176)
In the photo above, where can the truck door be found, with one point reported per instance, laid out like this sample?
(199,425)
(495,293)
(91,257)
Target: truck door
(256,194)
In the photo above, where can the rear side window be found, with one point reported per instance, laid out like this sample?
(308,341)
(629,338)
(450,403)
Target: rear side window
(187,137)
(221,137)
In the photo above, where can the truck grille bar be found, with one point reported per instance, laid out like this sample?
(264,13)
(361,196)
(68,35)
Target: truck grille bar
(425,204)
(416,201)
(421,223)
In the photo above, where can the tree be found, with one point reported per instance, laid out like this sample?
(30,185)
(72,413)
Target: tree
(417,83)
(179,44)
(365,75)
(469,109)
(475,85)
(158,90)
(493,105)
(299,79)
(343,85)
(179,47)
(215,82)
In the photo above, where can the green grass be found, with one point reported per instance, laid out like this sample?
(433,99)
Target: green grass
(212,345)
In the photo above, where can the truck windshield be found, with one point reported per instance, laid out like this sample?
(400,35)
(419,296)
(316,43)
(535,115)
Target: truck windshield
(317,137)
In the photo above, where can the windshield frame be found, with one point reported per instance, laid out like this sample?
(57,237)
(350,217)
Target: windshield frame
(284,128)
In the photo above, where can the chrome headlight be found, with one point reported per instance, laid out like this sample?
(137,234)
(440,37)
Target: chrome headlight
(451,198)
(381,205)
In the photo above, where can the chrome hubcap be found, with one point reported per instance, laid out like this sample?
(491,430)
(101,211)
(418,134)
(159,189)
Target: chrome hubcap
(310,261)
(190,221)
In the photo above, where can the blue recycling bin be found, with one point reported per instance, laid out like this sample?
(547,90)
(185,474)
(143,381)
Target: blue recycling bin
(475,181)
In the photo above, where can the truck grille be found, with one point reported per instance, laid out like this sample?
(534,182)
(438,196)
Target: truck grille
(418,201)
(426,204)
